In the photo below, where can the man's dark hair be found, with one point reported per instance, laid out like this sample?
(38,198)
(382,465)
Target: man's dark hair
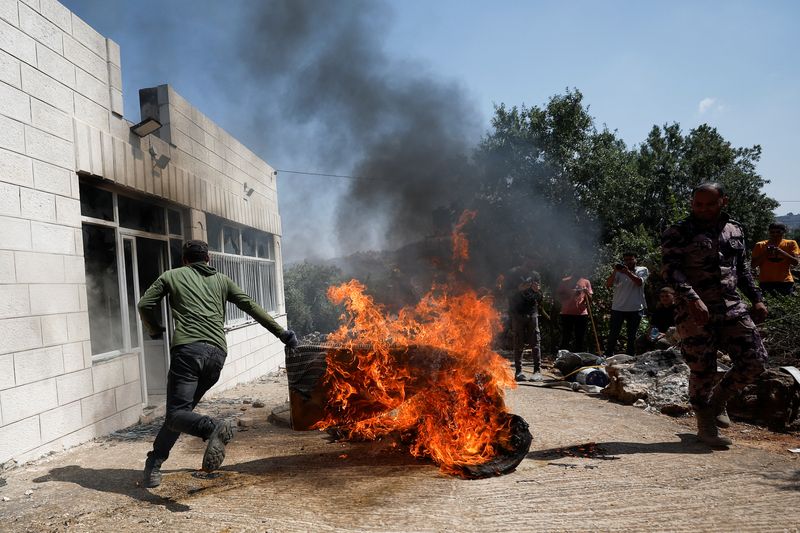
(778,226)
(630,254)
(195,251)
(668,290)
(710,186)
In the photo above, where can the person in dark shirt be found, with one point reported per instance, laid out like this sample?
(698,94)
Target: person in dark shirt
(523,287)
(663,316)
(661,319)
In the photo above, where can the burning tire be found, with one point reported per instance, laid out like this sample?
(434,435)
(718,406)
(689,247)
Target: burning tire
(427,394)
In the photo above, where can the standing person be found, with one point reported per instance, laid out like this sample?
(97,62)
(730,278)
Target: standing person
(574,292)
(628,303)
(704,261)
(524,298)
(197,295)
(774,259)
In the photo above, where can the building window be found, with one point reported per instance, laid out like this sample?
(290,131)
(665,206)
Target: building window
(247,256)
(102,288)
(127,243)
(141,215)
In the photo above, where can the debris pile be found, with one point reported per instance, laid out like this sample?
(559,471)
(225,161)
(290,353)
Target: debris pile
(773,400)
(659,381)
(659,378)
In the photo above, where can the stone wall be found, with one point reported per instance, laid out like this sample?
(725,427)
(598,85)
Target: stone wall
(61,106)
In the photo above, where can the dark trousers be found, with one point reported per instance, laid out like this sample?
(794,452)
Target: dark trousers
(525,329)
(632,320)
(573,332)
(193,370)
(781,288)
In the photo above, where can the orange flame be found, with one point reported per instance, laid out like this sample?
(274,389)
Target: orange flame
(460,243)
(428,373)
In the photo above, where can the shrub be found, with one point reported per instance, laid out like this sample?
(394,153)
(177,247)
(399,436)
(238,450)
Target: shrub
(780,330)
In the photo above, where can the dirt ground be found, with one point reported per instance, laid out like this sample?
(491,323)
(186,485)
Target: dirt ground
(593,466)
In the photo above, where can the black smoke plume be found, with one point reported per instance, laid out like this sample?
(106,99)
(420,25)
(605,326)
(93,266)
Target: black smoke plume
(310,85)
(390,122)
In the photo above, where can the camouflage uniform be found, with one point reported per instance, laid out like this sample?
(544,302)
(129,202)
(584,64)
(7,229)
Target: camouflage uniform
(708,263)
(523,310)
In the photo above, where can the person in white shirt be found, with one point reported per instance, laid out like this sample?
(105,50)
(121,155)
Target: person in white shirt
(628,304)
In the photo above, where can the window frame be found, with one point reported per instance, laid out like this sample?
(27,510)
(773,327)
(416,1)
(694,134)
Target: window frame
(272,305)
(121,233)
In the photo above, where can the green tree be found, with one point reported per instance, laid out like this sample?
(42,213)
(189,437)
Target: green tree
(551,163)
(661,161)
(532,151)
(672,164)
(307,306)
(528,163)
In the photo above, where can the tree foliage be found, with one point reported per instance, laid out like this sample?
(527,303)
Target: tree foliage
(555,157)
(555,161)
(307,306)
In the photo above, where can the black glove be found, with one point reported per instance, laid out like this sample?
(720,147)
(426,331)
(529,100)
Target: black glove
(289,339)
(158,334)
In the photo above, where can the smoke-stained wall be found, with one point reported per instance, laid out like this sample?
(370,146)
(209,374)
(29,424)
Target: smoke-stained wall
(61,116)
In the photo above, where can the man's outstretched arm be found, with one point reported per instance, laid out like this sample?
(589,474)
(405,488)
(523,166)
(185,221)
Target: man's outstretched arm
(243,301)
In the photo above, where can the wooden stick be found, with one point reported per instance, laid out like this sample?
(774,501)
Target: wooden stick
(594,329)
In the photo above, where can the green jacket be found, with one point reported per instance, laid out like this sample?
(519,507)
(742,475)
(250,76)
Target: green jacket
(197,296)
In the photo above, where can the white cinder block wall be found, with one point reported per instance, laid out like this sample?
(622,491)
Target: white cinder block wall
(60,116)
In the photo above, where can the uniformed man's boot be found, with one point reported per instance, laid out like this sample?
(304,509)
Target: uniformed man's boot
(719,403)
(152,472)
(722,419)
(707,429)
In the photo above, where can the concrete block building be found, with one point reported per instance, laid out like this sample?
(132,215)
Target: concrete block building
(91,212)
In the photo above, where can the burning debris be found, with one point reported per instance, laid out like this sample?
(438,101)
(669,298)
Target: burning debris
(419,395)
(426,376)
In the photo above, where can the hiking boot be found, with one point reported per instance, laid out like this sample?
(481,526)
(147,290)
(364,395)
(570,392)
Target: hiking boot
(215,449)
(520,377)
(707,429)
(152,473)
(718,403)
(722,419)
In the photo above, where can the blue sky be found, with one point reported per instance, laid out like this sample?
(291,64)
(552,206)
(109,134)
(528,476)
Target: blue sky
(731,64)
(637,64)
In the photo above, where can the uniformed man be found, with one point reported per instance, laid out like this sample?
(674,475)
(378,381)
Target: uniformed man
(523,285)
(704,261)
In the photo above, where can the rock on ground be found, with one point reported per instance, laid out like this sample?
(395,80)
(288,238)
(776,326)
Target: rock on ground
(660,378)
